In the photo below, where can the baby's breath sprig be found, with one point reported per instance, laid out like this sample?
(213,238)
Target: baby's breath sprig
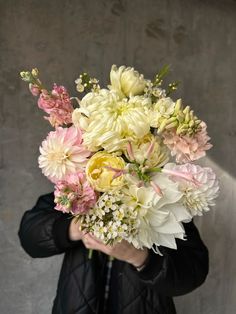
(172,87)
(154,88)
(86,84)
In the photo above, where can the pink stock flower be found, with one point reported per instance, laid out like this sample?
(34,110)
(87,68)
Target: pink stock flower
(74,195)
(57,104)
(34,89)
(62,153)
(188,148)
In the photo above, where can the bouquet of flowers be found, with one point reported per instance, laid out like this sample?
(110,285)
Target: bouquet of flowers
(121,157)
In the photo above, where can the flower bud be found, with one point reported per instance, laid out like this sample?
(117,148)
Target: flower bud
(34,89)
(26,76)
(35,72)
(178,105)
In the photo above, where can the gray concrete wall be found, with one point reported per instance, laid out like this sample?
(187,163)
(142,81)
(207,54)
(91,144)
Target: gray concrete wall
(63,38)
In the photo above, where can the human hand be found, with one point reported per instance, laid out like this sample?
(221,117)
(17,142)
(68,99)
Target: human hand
(75,234)
(123,251)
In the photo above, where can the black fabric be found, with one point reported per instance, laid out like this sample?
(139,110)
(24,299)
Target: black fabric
(44,232)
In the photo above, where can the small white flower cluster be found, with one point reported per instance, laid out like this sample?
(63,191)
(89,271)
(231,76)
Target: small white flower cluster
(156,91)
(84,82)
(111,220)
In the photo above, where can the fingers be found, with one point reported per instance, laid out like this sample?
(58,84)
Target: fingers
(122,251)
(93,243)
(88,241)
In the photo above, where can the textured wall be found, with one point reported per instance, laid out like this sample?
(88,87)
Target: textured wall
(62,38)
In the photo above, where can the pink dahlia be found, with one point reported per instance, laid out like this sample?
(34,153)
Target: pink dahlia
(62,153)
(198,193)
(57,104)
(74,194)
(188,148)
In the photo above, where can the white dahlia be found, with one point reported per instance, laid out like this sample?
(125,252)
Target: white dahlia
(112,122)
(160,216)
(93,103)
(199,192)
(62,153)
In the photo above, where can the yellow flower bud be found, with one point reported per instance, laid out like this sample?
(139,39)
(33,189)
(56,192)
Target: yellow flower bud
(162,125)
(178,105)
(191,123)
(186,110)
(35,72)
(171,125)
(187,117)
(182,129)
(172,119)
(180,117)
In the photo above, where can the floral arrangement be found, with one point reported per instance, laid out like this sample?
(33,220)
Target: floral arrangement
(121,157)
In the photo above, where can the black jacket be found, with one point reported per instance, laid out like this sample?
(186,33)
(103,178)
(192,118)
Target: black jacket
(44,232)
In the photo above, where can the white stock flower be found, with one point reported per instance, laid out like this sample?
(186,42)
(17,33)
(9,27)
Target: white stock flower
(126,81)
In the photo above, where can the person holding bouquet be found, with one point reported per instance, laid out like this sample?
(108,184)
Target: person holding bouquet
(126,192)
(141,281)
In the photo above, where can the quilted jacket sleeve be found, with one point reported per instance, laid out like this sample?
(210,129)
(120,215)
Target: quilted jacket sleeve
(43,231)
(179,271)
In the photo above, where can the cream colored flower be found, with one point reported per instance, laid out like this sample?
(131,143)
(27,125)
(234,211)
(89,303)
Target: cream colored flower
(160,216)
(92,103)
(197,198)
(100,174)
(150,150)
(79,120)
(162,109)
(126,81)
(112,122)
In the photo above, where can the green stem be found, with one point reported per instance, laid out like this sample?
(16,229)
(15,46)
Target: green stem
(90,254)
(154,170)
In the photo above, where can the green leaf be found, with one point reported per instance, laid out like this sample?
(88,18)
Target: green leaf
(161,74)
